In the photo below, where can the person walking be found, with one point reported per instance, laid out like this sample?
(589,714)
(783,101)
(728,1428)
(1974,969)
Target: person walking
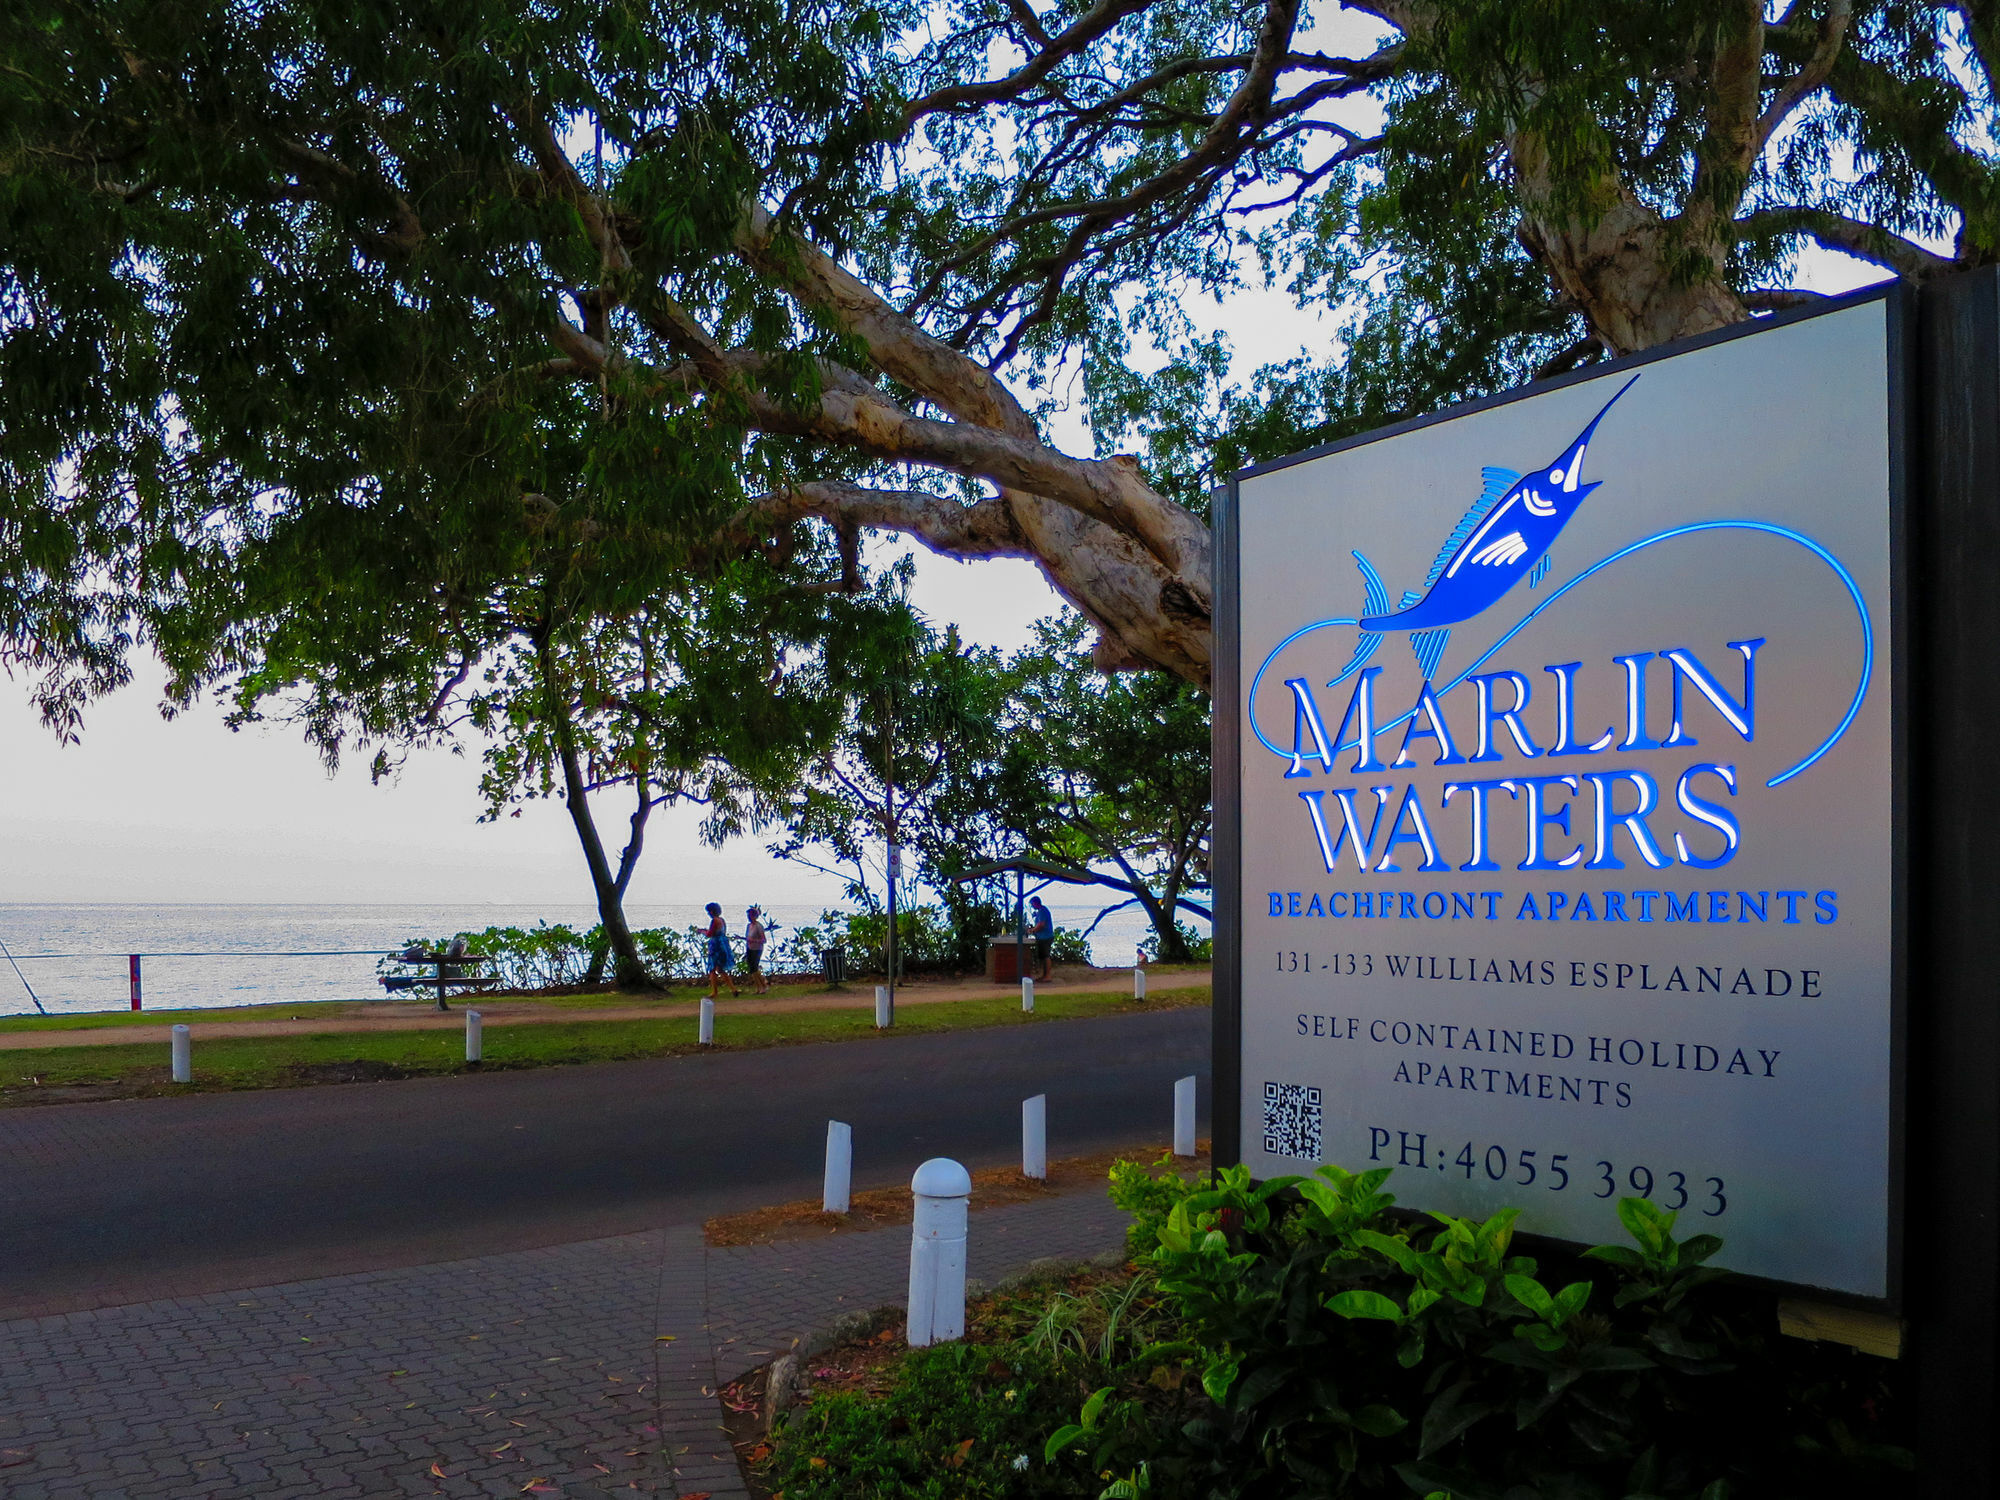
(720,958)
(1045,935)
(754,938)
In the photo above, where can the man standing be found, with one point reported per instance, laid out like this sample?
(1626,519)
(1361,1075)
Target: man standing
(1045,934)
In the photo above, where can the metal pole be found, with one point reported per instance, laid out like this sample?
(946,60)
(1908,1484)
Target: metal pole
(881,1007)
(707,1022)
(183,1056)
(1184,1116)
(1020,924)
(475,1036)
(134,962)
(889,824)
(1138,984)
(1027,994)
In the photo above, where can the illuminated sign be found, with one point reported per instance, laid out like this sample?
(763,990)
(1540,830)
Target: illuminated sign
(1567,872)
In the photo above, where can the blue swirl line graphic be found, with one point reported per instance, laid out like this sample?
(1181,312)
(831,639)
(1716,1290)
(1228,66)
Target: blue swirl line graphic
(1693,527)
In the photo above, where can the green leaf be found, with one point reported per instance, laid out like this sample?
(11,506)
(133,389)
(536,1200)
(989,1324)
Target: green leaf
(1357,1303)
(1697,1248)
(1094,1408)
(1394,1249)
(1622,1256)
(1061,1440)
(1217,1379)
(1379,1421)
(1652,1227)
(1532,1295)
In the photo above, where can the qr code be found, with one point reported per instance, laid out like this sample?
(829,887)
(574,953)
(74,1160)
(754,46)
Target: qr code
(1292,1121)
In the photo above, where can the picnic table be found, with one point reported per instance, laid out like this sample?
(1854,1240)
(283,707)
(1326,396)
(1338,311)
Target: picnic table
(446,976)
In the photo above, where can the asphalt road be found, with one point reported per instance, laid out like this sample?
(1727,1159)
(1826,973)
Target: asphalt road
(105,1204)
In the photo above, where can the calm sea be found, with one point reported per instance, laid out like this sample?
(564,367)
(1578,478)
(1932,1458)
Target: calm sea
(75,956)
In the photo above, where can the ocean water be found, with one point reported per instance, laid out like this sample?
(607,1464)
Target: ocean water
(197,956)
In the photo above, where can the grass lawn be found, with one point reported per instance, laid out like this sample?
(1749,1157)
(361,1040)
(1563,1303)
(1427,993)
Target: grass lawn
(342,1009)
(57,1074)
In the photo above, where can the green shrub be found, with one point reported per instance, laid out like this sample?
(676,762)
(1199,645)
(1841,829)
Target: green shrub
(1069,947)
(1347,1351)
(1200,946)
(964,1422)
(1148,1194)
(549,955)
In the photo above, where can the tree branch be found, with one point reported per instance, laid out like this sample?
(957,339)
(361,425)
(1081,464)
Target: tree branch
(1072,39)
(942,524)
(1826,51)
(1836,231)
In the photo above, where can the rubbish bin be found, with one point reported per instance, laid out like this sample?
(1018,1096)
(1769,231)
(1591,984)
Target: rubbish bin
(833,964)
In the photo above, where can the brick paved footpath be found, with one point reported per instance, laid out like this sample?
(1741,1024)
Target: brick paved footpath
(592,1367)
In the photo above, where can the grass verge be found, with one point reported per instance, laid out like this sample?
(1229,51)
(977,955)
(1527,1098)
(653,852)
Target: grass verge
(64,1074)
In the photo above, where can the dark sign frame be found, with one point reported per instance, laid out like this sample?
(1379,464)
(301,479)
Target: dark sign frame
(1226,869)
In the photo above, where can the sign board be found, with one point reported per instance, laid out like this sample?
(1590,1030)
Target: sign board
(1564,804)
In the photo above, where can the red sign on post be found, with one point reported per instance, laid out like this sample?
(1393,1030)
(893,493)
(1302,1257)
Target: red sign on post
(135,981)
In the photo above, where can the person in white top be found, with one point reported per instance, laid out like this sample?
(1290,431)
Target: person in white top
(754,937)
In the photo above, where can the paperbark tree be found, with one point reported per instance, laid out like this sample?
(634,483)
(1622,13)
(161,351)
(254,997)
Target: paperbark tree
(285,258)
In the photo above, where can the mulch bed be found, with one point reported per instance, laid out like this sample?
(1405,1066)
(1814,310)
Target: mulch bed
(879,1208)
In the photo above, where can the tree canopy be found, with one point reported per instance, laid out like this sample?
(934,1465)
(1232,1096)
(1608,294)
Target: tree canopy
(692,283)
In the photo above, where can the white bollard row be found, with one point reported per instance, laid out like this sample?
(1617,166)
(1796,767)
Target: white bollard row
(183,1053)
(707,1022)
(942,1189)
(1184,1116)
(1035,1137)
(475,1036)
(881,1007)
(1027,994)
(1138,984)
(835,1196)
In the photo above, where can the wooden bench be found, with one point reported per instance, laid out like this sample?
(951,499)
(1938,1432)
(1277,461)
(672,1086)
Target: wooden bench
(441,981)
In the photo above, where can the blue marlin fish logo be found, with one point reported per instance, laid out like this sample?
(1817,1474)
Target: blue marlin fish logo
(1507,533)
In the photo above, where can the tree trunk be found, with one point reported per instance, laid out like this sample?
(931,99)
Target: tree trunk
(1638,278)
(628,861)
(629,971)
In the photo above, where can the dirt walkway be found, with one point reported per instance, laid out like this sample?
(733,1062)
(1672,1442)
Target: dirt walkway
(423,1016)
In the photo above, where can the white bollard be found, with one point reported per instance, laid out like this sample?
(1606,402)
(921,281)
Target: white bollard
(881,1007)
(183,1056)
(1138,984)
(475,1036)
(1184,1116)
(1035,1137)
(707,1022)
(834,1197)
(1027,994)
(937,1252)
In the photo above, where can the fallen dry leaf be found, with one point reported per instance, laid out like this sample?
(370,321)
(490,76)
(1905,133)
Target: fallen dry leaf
(958,1455)
(503,1447)
(437,1470)
(817,1463)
